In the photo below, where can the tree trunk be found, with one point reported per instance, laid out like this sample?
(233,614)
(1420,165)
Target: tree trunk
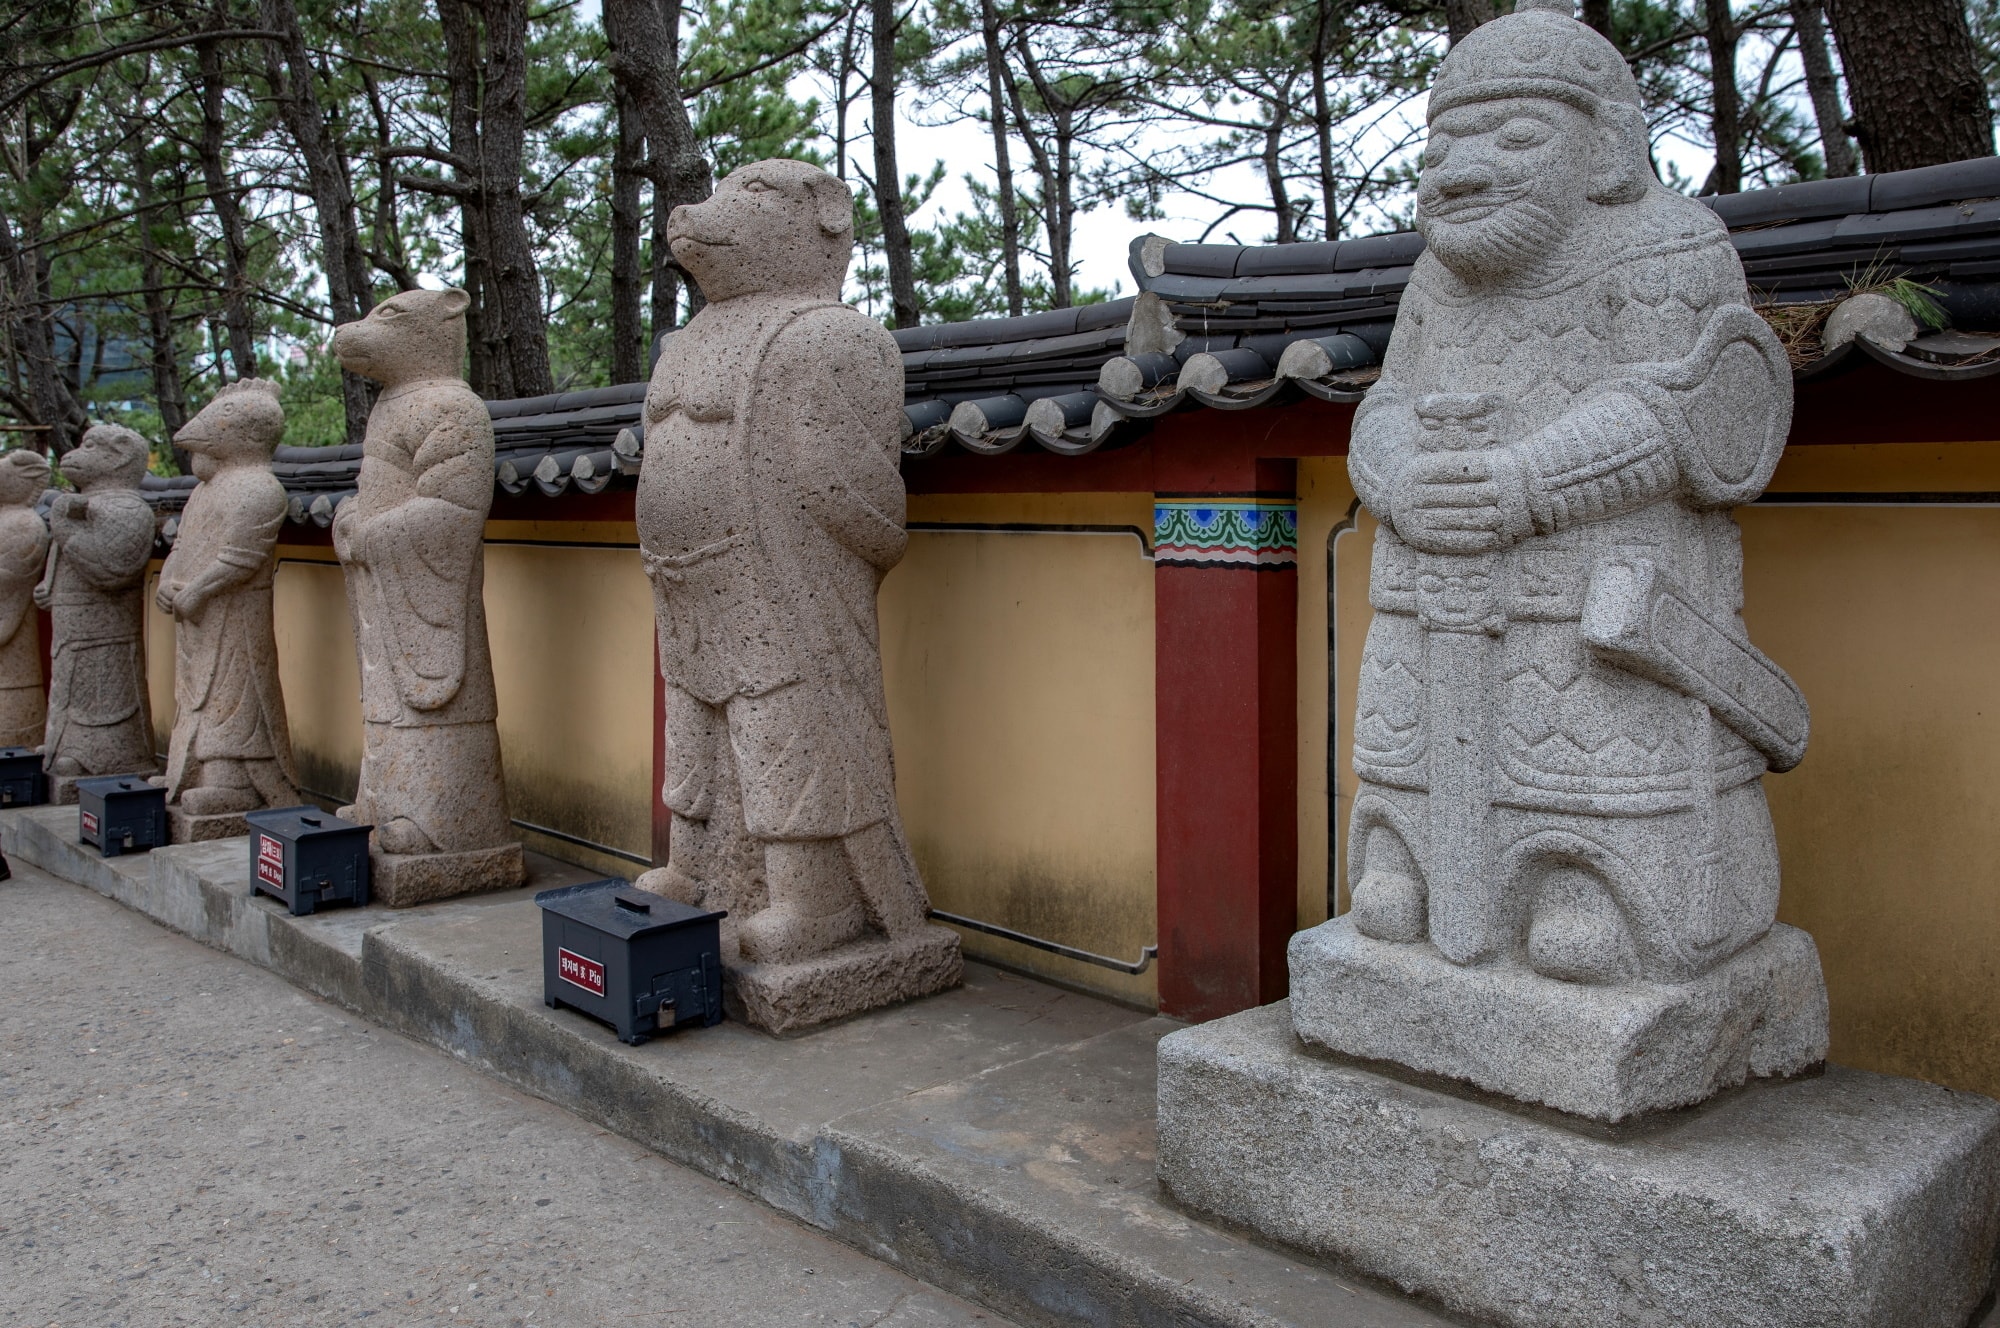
(31,326)
(1052,169)
(289,67)
(1823,85)
(841,99)
(628,283)
(1462,16)
(1597,14)
(888,179)
(1727,121)
(1913,81)
(997,74)
(1322,50)
(646,61)
(486,368)
(502,139)
(161,355)
(386,249)
(228,217)
(1274,176)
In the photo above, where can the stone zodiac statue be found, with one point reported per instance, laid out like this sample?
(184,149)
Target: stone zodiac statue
(411,544)
(1562,721)
(101,539)
(24,551)
(770,507)
(1564,872)
(231,750)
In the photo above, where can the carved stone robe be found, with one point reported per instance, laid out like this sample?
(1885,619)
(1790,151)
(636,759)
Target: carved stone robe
(24,549)
(228,700)
(99,713)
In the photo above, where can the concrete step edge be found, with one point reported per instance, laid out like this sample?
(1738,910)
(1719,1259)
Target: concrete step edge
(959,1238)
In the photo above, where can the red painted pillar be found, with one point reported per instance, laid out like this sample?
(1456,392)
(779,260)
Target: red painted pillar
(1226,677)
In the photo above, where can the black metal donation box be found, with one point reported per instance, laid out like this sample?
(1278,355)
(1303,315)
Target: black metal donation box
(304,857)
(22,783)
(120,813)
(640,962)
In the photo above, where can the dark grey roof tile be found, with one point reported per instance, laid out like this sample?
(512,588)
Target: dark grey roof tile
(1262,260)
(1928,185)
(1396,249)
(1793,202)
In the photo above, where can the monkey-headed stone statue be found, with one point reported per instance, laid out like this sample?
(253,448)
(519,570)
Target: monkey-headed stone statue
(231,751)
(101,539)
(1562,722)
(770,507)
(411,542)
(24,551)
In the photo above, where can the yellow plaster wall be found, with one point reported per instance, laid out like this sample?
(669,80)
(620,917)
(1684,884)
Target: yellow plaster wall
(1326,504)
(319,671)
(1888,614)
(1889,618)
(572,632)
(1019,668)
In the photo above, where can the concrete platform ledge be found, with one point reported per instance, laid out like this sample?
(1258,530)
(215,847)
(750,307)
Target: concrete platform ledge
(995,1140)
(1847,1200)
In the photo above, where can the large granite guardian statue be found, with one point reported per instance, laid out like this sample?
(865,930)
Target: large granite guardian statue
(1562,721)
(411,541)
(101,538)
(232,749)
(24,551)
(770,507)
(1564,874)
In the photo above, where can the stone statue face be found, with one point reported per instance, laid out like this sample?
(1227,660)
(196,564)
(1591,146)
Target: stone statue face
(110,456)
(242,423)
(411,335)
(773,225)
(1504,184)
(23,476)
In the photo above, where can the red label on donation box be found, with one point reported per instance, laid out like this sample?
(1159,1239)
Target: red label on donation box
(90,823)
(270,862)
(578,971)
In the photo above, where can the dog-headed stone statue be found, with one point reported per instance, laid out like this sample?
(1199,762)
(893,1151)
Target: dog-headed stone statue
(770,507)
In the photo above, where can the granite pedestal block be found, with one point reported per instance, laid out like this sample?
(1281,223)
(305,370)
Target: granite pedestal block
(861,975)
(400,880)
(1843,1200)
(187,828)
(1605,1052)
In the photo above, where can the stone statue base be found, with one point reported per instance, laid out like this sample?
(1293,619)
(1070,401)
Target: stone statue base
(1847,1199)
(184,827)
(1608,1053)
(399,880)
(860,976)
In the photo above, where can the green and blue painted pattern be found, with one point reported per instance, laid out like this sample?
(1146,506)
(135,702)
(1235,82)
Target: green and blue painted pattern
(1227,532)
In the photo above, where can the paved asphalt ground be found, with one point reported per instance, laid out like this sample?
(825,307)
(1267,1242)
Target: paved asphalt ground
(187,1139)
